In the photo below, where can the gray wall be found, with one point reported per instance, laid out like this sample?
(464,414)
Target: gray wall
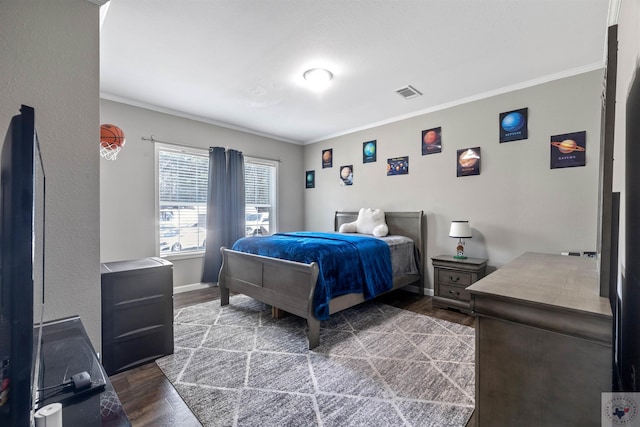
(50,57)
(127,185)
(516,204)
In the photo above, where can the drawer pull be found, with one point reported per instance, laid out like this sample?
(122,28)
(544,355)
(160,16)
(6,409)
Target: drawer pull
(454,279)
(454,292)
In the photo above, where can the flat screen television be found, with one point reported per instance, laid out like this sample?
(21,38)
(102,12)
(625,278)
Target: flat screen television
(22,219)
(627,312)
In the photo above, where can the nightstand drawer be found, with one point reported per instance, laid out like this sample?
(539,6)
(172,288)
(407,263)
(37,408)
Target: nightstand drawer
(454,292)
(454,277)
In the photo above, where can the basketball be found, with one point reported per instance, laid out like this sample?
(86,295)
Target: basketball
(111,136)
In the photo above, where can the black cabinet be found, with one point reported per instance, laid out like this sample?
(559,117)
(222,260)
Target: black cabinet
(67,351)
(137,312)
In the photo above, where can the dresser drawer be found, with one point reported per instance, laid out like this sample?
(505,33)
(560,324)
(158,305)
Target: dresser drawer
(454,292)
(454,277)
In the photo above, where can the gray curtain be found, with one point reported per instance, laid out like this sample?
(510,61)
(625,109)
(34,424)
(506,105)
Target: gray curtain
(225,207)
(236,228)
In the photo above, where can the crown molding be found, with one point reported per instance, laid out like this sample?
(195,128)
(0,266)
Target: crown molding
(98,2)
(473,98)
(164,110)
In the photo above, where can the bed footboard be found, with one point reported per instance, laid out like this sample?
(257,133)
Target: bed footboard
(287,285)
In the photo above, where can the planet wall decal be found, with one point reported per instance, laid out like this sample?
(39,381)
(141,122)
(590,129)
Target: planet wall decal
(514,125)
(468,158)
(431,141)
(310,179)
(568,150)
(468,161)
(370,149)
(567,146)
(327,158)
(346,174)
(430,137)
(513,122)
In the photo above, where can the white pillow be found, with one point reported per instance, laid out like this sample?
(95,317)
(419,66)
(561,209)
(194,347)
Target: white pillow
(348,227)
(371,221)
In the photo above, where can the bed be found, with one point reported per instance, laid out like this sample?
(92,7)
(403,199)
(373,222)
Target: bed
(290,285)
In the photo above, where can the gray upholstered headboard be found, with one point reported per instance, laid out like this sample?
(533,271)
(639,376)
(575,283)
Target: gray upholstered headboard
(410,224)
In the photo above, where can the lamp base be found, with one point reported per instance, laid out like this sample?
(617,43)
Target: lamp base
(460,250)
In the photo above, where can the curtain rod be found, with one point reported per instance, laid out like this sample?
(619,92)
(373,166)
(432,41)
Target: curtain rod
(153,139)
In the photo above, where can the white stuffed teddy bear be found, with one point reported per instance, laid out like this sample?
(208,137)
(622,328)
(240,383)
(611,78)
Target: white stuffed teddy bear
(370,221)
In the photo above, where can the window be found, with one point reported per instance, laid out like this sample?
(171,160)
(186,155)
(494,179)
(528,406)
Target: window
(182,195)
(182,198)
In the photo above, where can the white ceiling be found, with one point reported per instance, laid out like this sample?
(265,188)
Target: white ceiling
(239,63)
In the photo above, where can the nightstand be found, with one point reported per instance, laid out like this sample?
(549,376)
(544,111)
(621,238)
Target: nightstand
(451,276)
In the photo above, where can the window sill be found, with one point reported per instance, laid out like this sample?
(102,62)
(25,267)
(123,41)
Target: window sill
(181,256)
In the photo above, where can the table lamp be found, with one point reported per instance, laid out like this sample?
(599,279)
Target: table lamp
(460,230)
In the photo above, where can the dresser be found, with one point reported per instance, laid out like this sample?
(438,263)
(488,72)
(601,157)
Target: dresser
(137,312)
(452,276)
(543,343)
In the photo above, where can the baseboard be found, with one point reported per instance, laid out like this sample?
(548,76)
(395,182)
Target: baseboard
(416,289)
(196,286)
(192,287)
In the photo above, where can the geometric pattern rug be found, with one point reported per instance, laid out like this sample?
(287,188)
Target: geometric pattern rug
(376,365)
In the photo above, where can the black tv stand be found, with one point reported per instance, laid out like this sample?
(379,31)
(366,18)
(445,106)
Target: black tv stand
(66,351)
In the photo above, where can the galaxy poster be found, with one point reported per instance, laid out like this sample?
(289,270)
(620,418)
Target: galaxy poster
(346,174)
(432,141)
(369,151)
(468,161)
(568,150)
(398,166)
(514,125)
(310,179)
(327,158)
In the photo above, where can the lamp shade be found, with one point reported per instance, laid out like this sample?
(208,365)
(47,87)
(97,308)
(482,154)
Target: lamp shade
(460,229)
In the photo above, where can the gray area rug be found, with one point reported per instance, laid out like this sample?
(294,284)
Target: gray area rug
(376,365)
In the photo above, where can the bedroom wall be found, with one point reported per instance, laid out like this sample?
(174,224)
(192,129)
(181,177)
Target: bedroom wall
(55,70)
(516,204)
(127,185)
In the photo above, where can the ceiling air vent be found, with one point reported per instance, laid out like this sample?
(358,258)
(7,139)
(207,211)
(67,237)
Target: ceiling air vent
(408,92)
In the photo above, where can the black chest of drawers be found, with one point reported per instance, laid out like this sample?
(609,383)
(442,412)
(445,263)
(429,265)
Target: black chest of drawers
(137,312)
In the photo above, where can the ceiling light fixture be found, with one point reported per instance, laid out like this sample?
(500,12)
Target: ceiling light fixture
(317,76)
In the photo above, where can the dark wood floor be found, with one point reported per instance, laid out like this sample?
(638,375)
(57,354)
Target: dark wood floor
(150,400)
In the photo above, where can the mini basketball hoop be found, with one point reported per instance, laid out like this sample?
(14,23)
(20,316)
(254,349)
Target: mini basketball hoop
(111,141)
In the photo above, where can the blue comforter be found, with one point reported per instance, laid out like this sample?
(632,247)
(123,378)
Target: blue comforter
(347,263)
